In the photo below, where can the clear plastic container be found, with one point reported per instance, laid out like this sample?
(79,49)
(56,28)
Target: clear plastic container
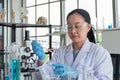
(81,75)
(52,78)
(14,61)
(72,76)
(86,75)
(46,76)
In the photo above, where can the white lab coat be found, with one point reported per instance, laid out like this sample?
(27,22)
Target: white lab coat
(91,57)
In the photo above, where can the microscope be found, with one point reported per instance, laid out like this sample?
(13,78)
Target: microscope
(27,59)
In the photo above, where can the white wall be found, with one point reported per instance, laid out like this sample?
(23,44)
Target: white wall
(111,40)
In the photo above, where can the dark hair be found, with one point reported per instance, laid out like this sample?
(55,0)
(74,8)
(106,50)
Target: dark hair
(91,36)
(83,13)
(87,18)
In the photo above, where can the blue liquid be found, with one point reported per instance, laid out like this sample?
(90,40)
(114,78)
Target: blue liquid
(110,26)
(6,77)
(15,69)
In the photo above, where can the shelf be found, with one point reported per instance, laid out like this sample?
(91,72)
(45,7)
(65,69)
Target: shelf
(23,25)
(101,30)
(13,26)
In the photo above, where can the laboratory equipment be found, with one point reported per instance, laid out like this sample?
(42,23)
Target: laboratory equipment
(14,71)
(27,59)
(82,75)
(52,78)
(29,66)
(6,63)
(64,70)
(86,75)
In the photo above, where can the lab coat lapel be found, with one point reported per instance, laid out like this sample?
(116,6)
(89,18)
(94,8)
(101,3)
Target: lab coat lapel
(69,55)
(83,51)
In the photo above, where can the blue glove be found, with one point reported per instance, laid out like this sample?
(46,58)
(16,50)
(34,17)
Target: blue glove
(38,49)
(64,70)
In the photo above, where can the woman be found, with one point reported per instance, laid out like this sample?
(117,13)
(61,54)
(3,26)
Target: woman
(81,54)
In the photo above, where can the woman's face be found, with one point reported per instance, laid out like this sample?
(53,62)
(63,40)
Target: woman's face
(77,28)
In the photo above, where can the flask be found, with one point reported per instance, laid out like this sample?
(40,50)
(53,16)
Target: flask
(110,26)
(14,64)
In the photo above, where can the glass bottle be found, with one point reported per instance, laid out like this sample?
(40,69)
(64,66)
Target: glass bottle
(14,61)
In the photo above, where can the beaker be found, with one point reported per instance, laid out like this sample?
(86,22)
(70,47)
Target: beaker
(86,75)
(72,76)
(48,77)
(14,61)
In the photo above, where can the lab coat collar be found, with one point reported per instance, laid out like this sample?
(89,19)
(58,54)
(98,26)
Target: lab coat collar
(69,53)
(86,44)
